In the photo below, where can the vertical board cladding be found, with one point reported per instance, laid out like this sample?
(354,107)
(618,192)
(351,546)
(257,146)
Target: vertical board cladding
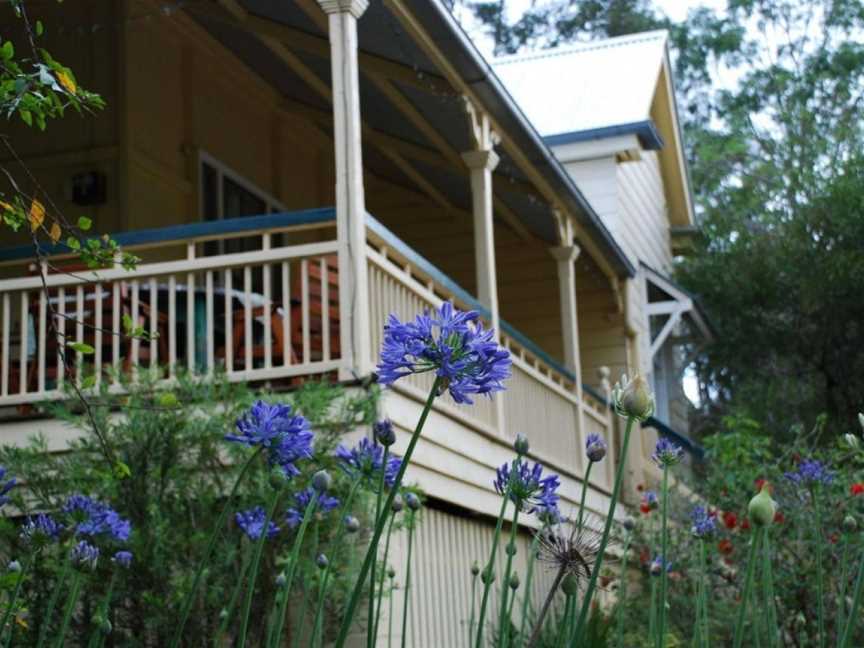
(446,543)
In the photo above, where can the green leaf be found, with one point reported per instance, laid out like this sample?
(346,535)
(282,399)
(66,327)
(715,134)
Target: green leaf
(82,347)
(26,117)
(73,243)
(121,470)
(84,223)
(7,51)
(128,324)
(89,381)
(40,28)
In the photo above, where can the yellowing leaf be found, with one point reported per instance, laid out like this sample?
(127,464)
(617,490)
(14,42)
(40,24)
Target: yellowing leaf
(6,206)
(65,80)
(55,232)
(36,215)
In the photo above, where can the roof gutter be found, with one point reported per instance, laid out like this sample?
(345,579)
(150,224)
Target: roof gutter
(463,55)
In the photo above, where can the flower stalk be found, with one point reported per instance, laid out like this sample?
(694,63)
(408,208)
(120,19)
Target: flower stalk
(71,600)
(622,593)
(503,618)
(748,585)
(232,602)
(407,596)
(529,574)
(13,599)
(820,578)
(852,619)
(664,573)
(370,624)
(52,601)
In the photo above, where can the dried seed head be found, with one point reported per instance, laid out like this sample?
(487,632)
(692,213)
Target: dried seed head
(572,548)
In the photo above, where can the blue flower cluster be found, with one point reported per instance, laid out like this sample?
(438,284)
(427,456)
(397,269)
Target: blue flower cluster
(286,436)
(450,342)
(704,524)
(294,515)
(666,453)
(528,488)
(365,459)
(123,558)
(85,555)
(810,472)
(5,487)
(94,519)
(659,564)
(252,523)
(40,529)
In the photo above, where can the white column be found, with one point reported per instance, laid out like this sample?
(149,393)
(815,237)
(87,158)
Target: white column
(565,256)
(350,203)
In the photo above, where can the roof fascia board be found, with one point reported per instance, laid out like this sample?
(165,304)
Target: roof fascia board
(579,151)
(645,131)
(678,137)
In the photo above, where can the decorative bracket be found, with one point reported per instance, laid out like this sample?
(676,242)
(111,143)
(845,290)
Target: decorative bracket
(483,136)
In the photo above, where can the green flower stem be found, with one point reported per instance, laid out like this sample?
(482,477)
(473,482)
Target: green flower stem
(604,541)
(703,596)
(211,544)
(235,595)
(585,481)
(748,584)
(372,551)
(52,602)
(664,575)
(71,600)
(538,626)
(768,587)
(298,634)
(337,544)
(652,612)
(292,567)
(503,621)
(97,637)
(256,561)
(407,579)
(14,598)
(852,619)
(370,624)
(820,577)
(622,594)
(473,606)
(844,580)
(383,574)
(569,611)
(510,611)
(488,572)
(390,619)
(529,575)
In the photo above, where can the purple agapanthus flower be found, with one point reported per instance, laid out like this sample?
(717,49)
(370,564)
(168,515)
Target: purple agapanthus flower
(666,453)
(40,529)
(5,487)
(294,515)
(659,564)
(595,447)
(450,342)
(810,472)
(85,554)
(704,523)
(529,489)
(123,558)
(365,460)
(286,436)
(252,523)
(94,519)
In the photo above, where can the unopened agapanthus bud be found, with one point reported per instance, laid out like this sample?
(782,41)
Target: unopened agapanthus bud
(850,524)
(475,568)
(633,398)
(105,627)
(521,444)
(384,432)
(595,448)
(570,584)
(488,576)
(391,573)
(352,524)
(762,508)
(514,582)
(14,566)
(511,549)
(281,580)
(223,614)
(852,441)
(629,524)
(322,561)
(398,504)
(800,620)
(322,481)
(412,501)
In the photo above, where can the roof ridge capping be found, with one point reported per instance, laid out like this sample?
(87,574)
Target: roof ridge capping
(575,48)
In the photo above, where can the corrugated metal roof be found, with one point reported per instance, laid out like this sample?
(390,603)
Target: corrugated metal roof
(587,86)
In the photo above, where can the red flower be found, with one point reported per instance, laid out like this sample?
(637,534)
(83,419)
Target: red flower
(759,483)
(833,538)
(725,546)
(745,525)
(645,508)
(779,518)
(730,520)
(857,488)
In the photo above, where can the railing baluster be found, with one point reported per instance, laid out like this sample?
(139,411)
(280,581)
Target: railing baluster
(325,310)
(247,318)
(268,306)
(304,300)
(154,323)
(136,342)
(229,322)
(115,332)
(211,360)
(40,366)
(25,330)
(172,326)
(286,314)
(190,319)
(79,332)
(97,323)
(4,352)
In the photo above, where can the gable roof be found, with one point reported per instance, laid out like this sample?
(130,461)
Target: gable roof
(589,86)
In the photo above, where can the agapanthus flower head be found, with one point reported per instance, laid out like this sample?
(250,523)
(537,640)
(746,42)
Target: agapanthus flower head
(526,486)
(595,447)
(810,472)
(365,460)
(852,441)
(650,502)
(85,555)
(94,519)
(294,515)
(704,524)
(451,343)
(659,564)
(14,566)
(6,486)
(40,529)
(571,547)
(666,453)
(123,559)
(286,436)
(548,513)
(384,432)
(631,397)
(251,522)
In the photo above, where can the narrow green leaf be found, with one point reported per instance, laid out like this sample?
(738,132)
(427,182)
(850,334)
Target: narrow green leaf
(81,347)
(84,223)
